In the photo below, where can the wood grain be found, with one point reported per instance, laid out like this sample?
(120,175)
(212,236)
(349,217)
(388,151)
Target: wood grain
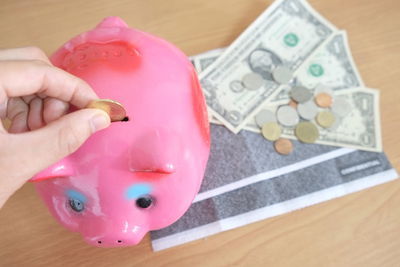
(361,229)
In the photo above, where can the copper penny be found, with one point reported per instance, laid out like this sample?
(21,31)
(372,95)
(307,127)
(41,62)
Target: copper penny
(283,146)
(323,100)
(292,103)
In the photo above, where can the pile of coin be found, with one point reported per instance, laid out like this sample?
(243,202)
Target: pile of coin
(307,108)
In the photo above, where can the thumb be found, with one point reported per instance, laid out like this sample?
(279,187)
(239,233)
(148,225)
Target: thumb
(43,147)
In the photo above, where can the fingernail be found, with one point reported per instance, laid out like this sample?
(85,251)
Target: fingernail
(99,122)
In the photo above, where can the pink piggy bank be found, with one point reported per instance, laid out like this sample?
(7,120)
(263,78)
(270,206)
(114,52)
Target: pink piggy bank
(138,175)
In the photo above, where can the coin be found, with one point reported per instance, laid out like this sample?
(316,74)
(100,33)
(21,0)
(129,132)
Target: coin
(323,100)
(282,74)
(283,146)
(293,103)
(300,94)
(114,109)
(264,116)
(271,131)
(252,81)
(307,110)
(307,132)
(325,119)
(321,88)
(341,107)
(287,116)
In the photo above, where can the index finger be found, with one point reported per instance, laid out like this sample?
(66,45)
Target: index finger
(21,78)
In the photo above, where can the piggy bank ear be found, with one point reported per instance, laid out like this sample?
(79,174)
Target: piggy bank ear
(155,151)
(62,168)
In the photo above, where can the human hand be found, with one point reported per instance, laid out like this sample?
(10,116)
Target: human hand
(36,96)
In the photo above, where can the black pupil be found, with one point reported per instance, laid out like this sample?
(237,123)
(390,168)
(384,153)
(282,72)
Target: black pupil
(144,202)
(76,205)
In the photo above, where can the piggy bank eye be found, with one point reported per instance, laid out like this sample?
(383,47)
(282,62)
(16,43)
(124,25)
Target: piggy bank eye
(144,202)
(76,205)
(76,200)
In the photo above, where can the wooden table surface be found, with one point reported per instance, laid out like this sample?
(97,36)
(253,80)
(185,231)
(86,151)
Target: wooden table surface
(361,229)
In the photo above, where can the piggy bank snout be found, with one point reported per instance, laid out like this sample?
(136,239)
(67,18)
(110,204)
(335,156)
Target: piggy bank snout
(116,239)
(113,241)
(112,233)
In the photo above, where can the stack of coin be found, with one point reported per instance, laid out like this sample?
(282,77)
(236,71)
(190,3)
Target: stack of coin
(307,109)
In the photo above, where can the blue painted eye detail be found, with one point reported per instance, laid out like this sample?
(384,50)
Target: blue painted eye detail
(76,200)
(137,190)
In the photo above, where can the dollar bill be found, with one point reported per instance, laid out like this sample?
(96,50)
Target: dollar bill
(360,129)
(331,65)
(203,60)
(287,33)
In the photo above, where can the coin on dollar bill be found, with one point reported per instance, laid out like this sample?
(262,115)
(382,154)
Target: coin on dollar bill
(114,109)
(283,146)
(287,116)
(252,81)
(326,119)
(307,110)
(323,100)
(293,103)
(271,131)
(264,116)
(300,94)
(282,74)
(307,132)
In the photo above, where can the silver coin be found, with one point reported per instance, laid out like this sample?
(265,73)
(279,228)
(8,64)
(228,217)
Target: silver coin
(252,81)
(300,94)
(265,116)
(282,74)
(340,107)
(287,116)
(307,110)
(321,88)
